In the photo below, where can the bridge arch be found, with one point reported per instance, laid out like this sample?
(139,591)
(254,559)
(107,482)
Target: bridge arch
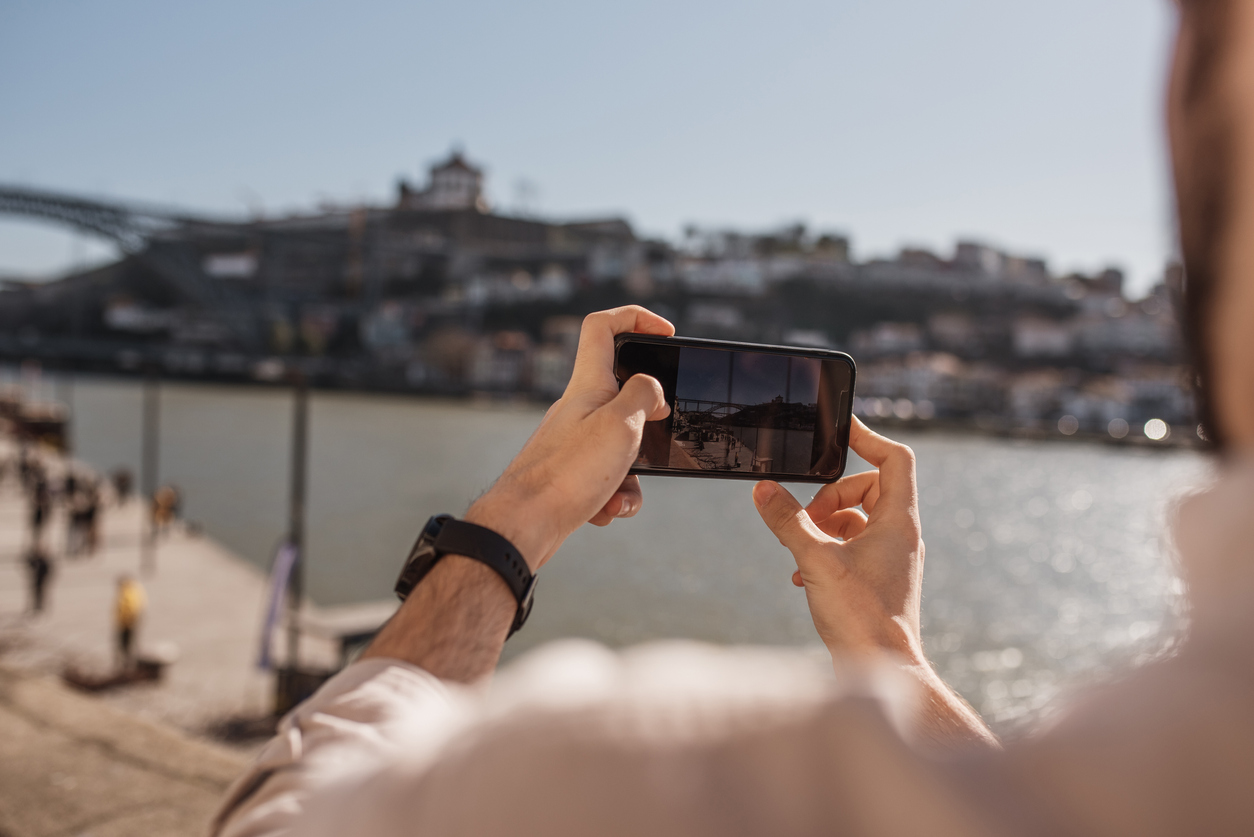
(137,230)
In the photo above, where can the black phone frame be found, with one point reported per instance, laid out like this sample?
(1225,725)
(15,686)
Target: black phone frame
(843,426)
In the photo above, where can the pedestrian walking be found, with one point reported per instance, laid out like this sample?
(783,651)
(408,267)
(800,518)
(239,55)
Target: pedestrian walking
(25,467)
(165,508)
(176,503)
(39,569)
(90,521)
(122,482)
(82,532)
(128,610)
(72,498)
(40,505)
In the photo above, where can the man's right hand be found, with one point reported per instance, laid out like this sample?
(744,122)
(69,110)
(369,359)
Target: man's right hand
(863,573)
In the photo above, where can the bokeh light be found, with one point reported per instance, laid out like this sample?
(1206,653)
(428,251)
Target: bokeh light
(1156,430)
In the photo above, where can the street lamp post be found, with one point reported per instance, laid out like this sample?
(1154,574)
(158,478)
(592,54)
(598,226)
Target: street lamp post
(296,514)
(148,471)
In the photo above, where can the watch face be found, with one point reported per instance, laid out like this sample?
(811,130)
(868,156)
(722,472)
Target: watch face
(423,552)
(432,528)
(524,606)
(421,557)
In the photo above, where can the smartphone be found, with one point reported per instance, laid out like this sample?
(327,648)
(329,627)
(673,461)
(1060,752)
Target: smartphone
(742,411)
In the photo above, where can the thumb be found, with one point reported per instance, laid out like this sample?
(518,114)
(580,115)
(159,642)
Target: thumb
(641,394)
(784,516)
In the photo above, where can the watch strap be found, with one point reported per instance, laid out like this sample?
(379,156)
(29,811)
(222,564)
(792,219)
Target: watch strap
(461,538)
(444,534)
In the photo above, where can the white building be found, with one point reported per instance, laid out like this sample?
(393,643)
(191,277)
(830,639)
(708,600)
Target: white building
(888,339)
(1041,338)
(454,184)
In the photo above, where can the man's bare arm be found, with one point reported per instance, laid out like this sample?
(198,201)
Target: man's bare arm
(859,552)
(945,720)
(453,624)
(572,471)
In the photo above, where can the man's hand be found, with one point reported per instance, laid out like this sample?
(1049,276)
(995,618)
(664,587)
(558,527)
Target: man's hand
(862,573)
(863,570)
(573,470)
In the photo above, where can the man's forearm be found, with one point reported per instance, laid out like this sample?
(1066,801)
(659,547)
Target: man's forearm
(945,719)
(453,624)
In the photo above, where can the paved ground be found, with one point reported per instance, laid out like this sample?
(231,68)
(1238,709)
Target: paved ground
(71,765)
(203,603)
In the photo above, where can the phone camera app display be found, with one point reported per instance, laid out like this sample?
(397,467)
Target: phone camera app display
(742,411)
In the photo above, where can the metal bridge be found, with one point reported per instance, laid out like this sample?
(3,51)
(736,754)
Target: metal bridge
(144,232)
(130,226)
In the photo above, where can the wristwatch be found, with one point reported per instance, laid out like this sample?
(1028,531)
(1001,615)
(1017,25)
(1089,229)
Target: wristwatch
(443,535)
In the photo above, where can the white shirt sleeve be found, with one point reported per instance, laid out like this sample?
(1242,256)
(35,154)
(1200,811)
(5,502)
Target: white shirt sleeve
(377,731)
(362,718)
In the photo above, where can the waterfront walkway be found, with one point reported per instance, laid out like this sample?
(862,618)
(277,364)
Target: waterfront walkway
(204,606)
(204,609)
(134,759)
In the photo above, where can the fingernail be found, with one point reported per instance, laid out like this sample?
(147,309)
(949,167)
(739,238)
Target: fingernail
(764,491)
(625,508)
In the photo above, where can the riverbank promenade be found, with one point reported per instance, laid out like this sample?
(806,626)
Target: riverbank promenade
(135,759)
(204,610)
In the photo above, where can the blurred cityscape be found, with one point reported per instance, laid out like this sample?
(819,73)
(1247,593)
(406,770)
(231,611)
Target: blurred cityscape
(438,293)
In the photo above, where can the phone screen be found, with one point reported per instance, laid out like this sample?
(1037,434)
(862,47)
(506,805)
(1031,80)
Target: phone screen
(742,413)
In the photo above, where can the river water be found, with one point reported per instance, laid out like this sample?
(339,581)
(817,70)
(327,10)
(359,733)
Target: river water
(1047,562)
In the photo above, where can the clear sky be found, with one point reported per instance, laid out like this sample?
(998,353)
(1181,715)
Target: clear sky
(1034,126)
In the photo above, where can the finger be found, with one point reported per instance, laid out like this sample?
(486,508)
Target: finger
(796,579)
(844,524)
(616,507)
(641,399)
(894,460)
(594,360)
(633,496)
(847,492)
(784,516)
(624,502)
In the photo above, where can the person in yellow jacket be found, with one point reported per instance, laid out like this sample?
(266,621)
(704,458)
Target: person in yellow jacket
(128,609)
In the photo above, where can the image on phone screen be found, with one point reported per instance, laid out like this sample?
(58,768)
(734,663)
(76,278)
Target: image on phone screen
(741,412)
